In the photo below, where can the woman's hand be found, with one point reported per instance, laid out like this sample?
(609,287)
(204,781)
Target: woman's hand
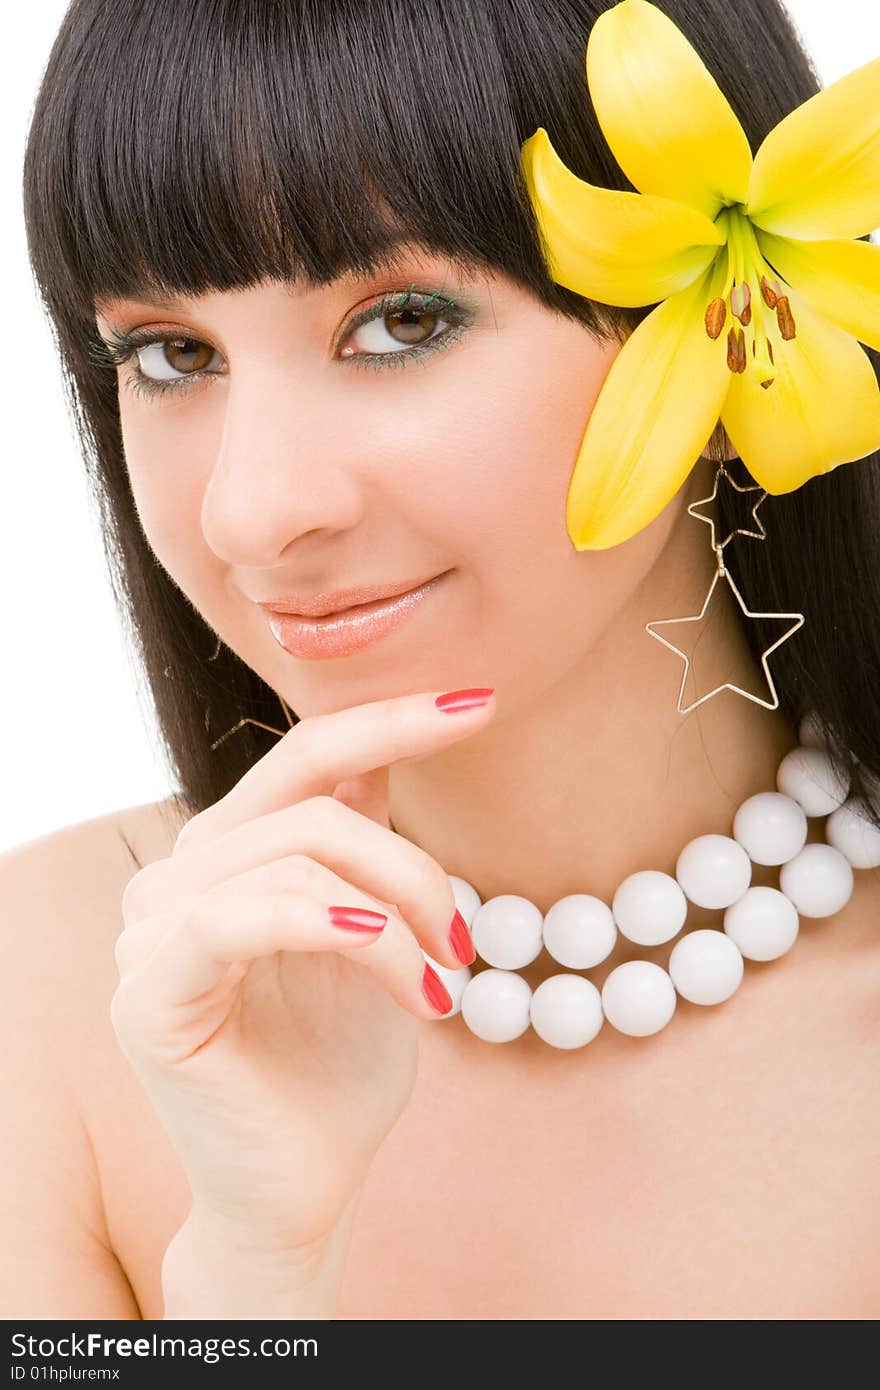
(277,1047)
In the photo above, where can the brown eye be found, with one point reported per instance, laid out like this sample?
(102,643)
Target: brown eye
(394,330)
(412,325)
(182,354)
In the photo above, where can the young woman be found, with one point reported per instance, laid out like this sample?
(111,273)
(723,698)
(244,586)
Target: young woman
(318,358)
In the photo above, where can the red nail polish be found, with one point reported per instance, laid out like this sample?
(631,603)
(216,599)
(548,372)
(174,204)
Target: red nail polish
(455,700)
(435,991)
(460,939)
(357,918)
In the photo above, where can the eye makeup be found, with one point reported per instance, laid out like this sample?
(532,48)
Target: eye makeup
(117,348)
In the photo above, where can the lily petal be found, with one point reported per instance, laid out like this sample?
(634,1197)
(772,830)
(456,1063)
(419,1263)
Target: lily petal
(668,123)
(822,410)
(817,173)
(619,248)
(657,407)
(839,279)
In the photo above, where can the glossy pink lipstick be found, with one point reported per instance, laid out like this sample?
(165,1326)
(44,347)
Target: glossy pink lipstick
(349,629)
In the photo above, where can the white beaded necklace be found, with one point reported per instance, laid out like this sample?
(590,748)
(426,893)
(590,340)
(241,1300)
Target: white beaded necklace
(650,907)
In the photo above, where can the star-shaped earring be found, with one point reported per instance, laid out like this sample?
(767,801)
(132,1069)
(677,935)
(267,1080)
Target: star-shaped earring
(723,572)
(759,535)
(247,718)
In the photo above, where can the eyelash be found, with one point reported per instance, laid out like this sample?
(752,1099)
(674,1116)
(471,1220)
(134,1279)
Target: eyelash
(119,349)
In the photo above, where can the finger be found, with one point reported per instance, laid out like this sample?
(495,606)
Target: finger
(216,931)
(325,749)
(366,793)
(262,855)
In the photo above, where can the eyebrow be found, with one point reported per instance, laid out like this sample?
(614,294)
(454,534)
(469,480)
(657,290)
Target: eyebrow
(394,240)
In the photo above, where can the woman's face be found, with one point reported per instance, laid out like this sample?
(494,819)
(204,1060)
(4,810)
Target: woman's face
(303,461)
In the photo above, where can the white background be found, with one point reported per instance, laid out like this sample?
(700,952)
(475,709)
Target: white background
(63,760)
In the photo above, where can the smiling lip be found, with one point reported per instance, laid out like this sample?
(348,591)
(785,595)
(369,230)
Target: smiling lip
(348,629)
(336,600)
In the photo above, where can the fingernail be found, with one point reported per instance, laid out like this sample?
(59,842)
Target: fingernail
(435,991)
(460,939)
(455,700)
(357,918)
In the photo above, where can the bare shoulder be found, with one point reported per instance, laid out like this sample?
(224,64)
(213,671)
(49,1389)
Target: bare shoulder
(68,875)
(60,898)
(60,915)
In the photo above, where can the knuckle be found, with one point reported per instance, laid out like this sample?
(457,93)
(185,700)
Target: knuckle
(199,915)
(122,951)
(123,1012)
(188,834)
(431,878)
(128,901)
(136,894)
(305,737)
(324,812)
(134,943)
(296,873)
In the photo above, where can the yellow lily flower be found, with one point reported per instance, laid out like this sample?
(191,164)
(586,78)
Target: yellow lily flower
(765,296)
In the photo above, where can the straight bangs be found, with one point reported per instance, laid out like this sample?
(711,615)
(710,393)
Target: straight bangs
(235,143)
(180,147)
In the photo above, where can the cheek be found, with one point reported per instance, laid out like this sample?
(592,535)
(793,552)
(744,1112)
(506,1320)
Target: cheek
(518,425)
(537,605)
(168,461)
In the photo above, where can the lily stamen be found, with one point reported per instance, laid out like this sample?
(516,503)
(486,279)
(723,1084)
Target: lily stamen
(741,303)
(770,294)
(745,263)
(736,349)
(716,316)
(784,317)
(714,226)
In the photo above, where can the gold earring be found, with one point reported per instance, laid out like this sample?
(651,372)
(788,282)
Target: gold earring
(722,572)
(247,718)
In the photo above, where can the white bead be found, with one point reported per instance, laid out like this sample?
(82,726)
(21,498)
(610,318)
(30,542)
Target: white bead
(810,732)
(849,830)
(819,880)
(467,899)
(579,931)
(506,931)
(649,907)
(495,1005)
(764,924)
(808,776)
(713,870)
(770,827)
(638,998)
(706,966)
(566,1010)
(454,980)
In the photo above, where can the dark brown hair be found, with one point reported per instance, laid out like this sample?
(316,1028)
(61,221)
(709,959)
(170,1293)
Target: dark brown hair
(181,148)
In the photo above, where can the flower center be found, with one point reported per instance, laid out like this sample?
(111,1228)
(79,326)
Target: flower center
(754,297)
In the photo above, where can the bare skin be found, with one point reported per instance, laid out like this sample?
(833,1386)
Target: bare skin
(724,1168)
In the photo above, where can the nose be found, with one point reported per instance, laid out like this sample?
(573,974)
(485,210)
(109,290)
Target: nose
(287,466)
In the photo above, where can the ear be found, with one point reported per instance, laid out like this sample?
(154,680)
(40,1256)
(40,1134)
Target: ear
(718,446)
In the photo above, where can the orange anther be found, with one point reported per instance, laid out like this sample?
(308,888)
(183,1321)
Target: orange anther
(736,349)
(716,313)
(784,317)
(769,294)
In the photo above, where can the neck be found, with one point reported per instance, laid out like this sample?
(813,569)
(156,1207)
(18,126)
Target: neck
(604,777)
